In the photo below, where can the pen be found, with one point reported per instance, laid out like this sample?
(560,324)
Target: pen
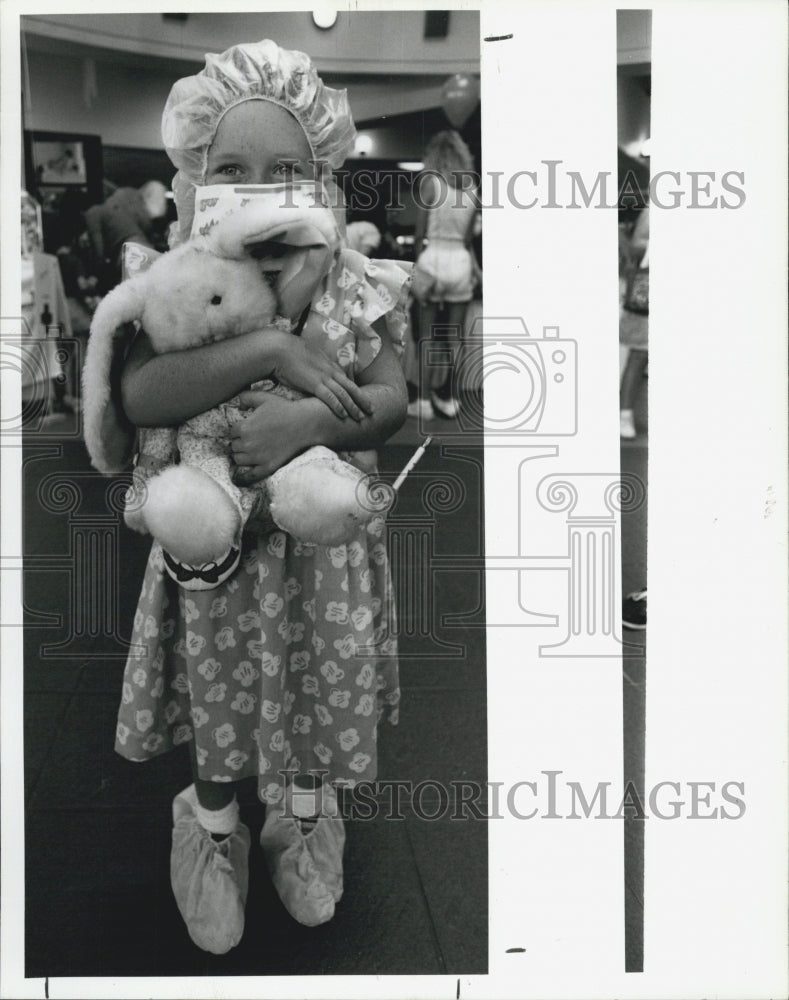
(411,463)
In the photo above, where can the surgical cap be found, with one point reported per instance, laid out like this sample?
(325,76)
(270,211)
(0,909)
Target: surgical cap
(262,71)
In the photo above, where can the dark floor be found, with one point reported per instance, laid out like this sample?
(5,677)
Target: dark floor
(98,900)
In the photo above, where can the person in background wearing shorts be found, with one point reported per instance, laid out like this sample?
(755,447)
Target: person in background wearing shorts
(446,270)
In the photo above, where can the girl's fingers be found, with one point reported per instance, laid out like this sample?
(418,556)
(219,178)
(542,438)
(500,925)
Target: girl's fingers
(348,403)
(332,386)
(251,398)
(351,388)
(238,447)
(325,395)
(355,392)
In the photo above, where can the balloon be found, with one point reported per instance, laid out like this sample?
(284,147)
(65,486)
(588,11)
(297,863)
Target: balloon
(460,96)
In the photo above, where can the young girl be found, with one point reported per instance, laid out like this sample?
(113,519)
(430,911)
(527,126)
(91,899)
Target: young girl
(289,665)
(446,270)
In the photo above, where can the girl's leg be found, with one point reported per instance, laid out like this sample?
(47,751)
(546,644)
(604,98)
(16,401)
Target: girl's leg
(628,392)
(631,379)
(428,317)
(444,400)
(212,795)
(456,317)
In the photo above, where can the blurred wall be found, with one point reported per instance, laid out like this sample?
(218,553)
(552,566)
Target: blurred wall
(633,36)
(125,111)
(634,59)
(135,58)
(633,123)
(359,42)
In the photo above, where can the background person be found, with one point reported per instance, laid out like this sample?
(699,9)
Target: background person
(364,237)
(128,214)
(633,256)
(445,271)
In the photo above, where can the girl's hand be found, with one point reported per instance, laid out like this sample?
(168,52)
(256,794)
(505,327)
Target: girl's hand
(313,372)
(279,429)
(270,435)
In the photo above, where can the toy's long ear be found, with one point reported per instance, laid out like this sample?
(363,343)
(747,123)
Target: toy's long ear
(299,225)
(107,432)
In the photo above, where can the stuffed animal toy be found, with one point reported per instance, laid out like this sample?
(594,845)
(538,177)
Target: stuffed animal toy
(209,289)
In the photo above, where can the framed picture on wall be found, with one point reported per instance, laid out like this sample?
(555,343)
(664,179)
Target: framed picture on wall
(64,173)
(63,159)
(60,162)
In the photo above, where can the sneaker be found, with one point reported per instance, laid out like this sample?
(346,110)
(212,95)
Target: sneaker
(634,610)
(205,577)
(209,877)
(422,409)
(305,859)
(448,407)
(627,425)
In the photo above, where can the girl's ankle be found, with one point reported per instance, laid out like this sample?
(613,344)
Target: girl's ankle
(215,795)
(305,797)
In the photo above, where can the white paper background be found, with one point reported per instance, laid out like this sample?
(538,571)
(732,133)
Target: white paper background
(715,906)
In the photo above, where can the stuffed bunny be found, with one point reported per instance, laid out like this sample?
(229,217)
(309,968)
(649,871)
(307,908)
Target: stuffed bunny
(209,289)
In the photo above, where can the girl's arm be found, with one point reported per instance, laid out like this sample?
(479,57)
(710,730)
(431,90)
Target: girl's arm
(421,219)
(468,243)
(279,429)
(468,236)
(165,389)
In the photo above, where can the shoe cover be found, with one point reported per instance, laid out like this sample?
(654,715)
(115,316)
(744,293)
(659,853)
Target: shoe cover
(306,868)
(209,878)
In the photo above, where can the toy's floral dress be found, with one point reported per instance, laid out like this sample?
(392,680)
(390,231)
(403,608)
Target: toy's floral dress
(292,662)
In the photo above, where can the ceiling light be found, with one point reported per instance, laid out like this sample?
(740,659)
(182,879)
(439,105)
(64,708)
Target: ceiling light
(324,16)
(364,144)
(413,165)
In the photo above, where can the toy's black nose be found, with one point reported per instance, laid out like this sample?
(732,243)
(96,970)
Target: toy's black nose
(216,300)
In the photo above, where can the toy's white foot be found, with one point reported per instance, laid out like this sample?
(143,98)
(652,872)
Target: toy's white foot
(134,503)
(322,500)
(190,515)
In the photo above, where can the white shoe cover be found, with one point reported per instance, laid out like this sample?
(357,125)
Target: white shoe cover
(209,878)
(306,868)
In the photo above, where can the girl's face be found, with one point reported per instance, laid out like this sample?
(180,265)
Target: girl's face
(258,142)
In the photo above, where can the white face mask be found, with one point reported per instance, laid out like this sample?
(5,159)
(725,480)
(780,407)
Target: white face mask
(213,202)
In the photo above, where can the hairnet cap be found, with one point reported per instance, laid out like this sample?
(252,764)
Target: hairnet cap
(259,70)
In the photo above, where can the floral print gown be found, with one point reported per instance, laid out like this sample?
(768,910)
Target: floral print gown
(292,662)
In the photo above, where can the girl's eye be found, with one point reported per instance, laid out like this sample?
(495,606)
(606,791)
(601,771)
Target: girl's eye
(229,170)
(216,300)
(288,168)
